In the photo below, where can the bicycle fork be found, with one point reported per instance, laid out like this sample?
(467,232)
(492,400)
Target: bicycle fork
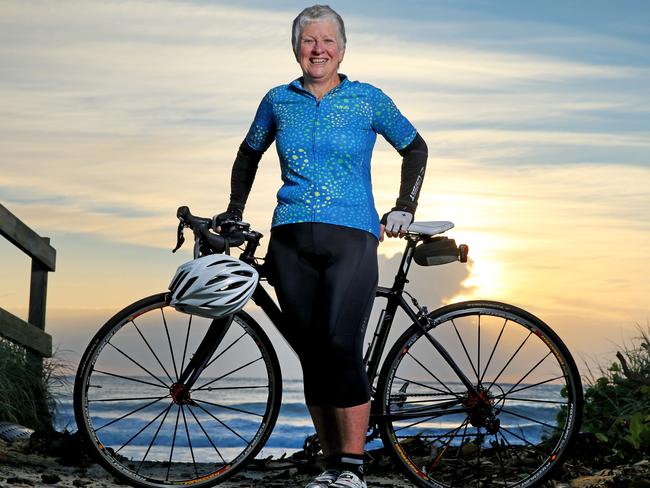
(181,390)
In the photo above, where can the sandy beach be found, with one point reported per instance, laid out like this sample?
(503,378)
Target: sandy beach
(22,464)
(19,467)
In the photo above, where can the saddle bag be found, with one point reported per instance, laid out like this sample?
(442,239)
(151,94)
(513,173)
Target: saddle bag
(433,251)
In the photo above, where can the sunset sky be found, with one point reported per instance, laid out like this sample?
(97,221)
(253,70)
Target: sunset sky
(536,114)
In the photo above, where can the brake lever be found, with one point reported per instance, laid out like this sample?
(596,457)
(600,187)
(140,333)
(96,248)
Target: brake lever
(180,238)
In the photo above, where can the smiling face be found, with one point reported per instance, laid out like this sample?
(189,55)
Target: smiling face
(320,53)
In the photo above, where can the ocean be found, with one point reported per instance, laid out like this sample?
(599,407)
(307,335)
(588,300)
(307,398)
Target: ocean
(292,427)
(238,412)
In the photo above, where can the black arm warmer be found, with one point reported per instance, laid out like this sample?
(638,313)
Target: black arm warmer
(414,164)
(242,176)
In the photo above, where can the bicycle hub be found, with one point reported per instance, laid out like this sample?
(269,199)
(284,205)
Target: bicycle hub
(480,411)
(180,394)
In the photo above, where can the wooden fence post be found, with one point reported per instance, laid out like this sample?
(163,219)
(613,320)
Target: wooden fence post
(37,302)
(38,292)
(31,334)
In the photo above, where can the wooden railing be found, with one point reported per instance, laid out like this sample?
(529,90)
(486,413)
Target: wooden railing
(30,334)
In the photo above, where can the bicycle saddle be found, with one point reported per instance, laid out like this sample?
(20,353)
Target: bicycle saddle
(431,228)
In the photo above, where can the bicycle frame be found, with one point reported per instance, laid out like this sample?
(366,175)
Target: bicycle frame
(395,298)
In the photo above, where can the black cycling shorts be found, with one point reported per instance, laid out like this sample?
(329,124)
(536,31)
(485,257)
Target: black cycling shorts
(325,277)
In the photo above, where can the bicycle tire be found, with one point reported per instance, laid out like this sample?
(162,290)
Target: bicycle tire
(122,391)
(532,399)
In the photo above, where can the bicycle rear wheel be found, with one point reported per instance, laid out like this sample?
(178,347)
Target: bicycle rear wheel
(126,411)
(513,432)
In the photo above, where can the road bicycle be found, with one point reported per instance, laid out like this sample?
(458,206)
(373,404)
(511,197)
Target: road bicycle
(476,394)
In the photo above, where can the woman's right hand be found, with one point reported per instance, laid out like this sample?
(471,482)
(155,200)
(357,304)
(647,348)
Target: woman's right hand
(227,216)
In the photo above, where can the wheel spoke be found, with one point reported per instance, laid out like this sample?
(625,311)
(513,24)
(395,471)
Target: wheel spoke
(131,379)
(514,449)
(131,399)
(534,446)
(434,464)
(460,450)
(510,360)
(202,387)
(187,338)
(171,451)
(214,388)
(152,351)
(552,427)
(532,386)
(528,373)
(138,365)
(130,413)
(154,438)
(479,444)
(206,435)
(224,424)
(494,348)
(164,410)
(460,339)
(433,438)
(228,408)
(226,349)
(456,395)
(427,419)
(169,340)
(189,441)
(497,450)
(398,429)
(536,400)
(430,373)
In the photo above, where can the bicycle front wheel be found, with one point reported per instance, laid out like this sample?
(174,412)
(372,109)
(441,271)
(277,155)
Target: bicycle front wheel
(147,436)
(510,428)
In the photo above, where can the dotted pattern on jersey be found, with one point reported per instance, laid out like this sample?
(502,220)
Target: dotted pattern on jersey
(325,150)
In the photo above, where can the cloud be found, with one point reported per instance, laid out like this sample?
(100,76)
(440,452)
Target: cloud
(114,113)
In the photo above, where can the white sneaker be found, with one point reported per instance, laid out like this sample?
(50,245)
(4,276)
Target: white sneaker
(325,479)
(347,479)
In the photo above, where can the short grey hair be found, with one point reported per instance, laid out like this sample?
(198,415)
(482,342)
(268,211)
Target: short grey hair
(316,13)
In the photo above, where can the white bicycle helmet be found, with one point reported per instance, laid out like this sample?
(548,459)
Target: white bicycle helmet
(212,286)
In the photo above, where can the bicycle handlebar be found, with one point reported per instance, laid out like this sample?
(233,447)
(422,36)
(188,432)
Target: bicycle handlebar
(206,242)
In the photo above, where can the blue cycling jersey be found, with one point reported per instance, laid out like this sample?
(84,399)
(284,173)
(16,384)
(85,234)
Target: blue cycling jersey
(325,148)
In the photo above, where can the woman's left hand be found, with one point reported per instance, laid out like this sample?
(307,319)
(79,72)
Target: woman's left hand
(395,224)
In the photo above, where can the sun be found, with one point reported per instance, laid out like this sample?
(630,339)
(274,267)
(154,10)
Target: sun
(487,278)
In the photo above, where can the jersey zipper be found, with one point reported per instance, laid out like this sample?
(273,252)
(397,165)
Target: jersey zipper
(316,172)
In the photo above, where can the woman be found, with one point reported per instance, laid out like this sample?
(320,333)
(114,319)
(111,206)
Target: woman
(322,256)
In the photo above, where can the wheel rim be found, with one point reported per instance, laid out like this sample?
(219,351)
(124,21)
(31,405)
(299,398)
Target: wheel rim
(151,429)
(511,432)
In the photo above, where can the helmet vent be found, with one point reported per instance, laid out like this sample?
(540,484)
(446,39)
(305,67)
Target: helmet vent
(177,281)
(220,261)
(187,285)
(216,280)
(243,273)
(235,285)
